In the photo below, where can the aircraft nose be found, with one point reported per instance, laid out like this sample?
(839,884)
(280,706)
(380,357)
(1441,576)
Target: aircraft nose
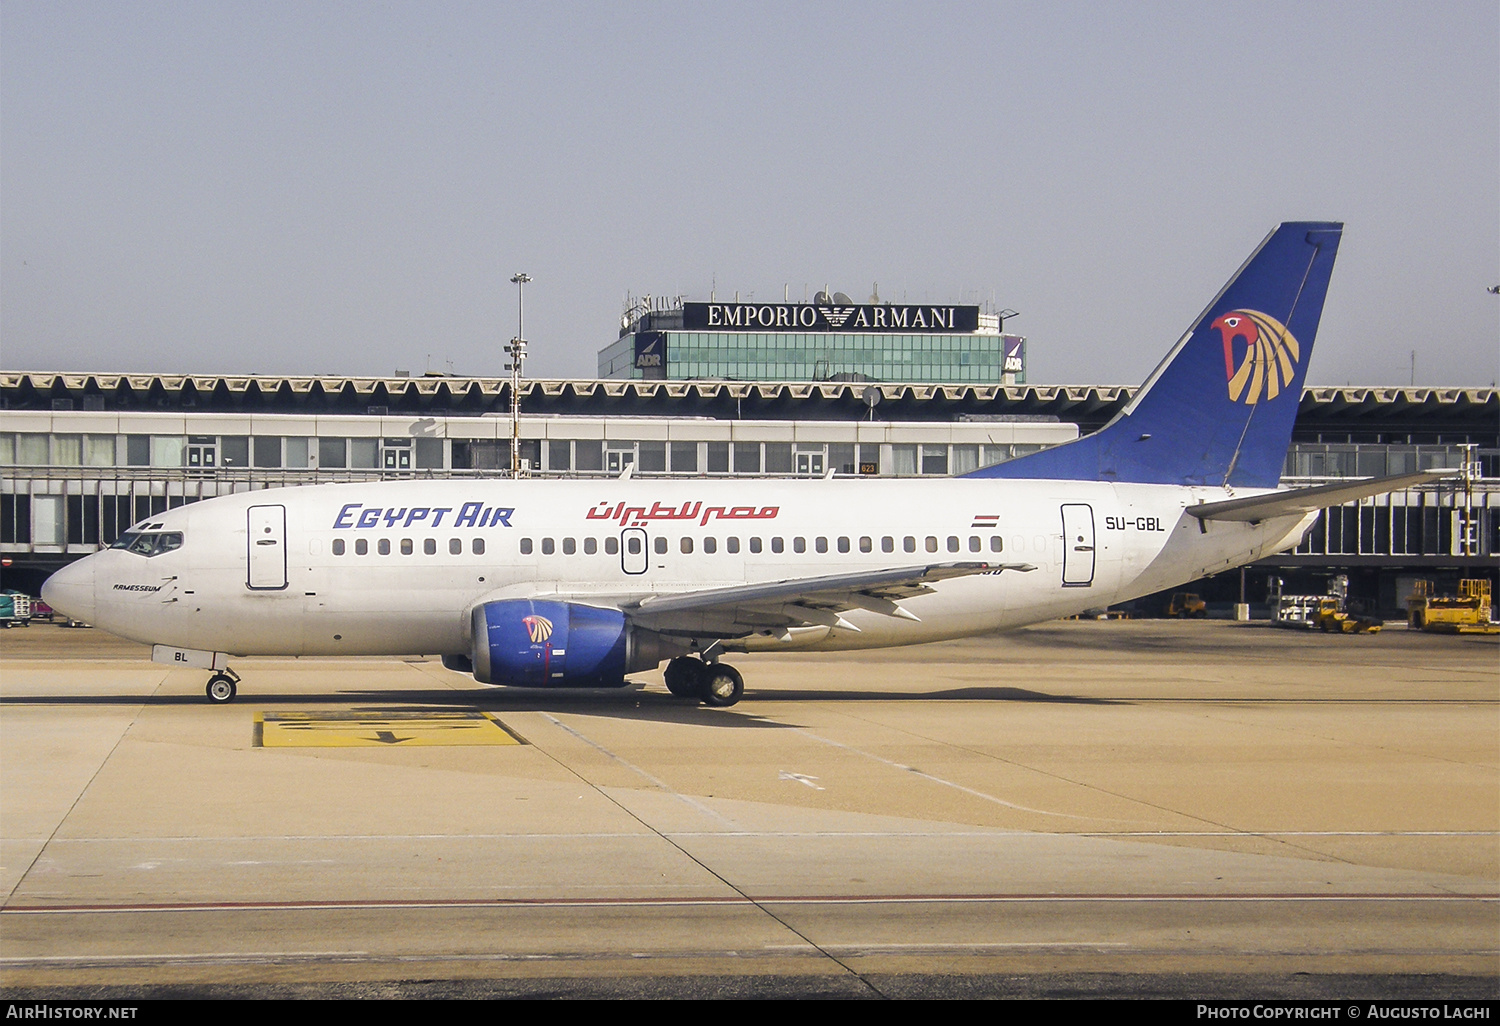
(71,590)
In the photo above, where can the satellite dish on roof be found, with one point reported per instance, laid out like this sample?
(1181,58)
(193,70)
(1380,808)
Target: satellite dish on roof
(870,396)
(842,300)
(821,298)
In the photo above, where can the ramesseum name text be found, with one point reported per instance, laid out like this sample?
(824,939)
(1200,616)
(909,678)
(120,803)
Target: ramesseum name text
(1349,1012)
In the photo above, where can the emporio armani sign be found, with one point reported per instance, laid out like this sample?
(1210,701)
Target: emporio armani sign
(817,317)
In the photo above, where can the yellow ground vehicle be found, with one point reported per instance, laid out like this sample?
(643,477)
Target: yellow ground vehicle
(1328,612)
(1186,604)
(1468,613)
(1331,617)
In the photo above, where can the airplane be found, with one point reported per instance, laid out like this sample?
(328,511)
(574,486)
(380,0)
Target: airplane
(580,583)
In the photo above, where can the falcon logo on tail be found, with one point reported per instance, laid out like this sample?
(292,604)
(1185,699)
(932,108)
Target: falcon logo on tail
(1270,355)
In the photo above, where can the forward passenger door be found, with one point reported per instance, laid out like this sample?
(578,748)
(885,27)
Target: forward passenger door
(266,541)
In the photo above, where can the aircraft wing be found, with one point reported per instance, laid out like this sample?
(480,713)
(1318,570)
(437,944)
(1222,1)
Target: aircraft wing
(1255,508)
(800,602)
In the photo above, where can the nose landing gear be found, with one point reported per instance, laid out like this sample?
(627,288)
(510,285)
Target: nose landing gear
(715,684)
(221,686)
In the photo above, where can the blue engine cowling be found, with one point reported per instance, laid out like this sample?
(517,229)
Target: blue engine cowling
(538,643)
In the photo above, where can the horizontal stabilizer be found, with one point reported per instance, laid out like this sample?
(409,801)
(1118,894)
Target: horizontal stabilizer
(1255,508)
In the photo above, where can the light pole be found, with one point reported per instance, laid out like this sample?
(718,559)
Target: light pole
(517,353)
(519,280)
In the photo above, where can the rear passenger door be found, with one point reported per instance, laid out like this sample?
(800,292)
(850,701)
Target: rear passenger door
(1078,545)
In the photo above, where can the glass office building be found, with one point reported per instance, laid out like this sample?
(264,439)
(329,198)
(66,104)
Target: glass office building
(836,340)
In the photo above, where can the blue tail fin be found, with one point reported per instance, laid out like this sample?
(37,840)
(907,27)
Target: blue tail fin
(1219,409)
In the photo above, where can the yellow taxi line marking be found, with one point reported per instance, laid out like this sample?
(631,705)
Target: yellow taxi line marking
(380,728)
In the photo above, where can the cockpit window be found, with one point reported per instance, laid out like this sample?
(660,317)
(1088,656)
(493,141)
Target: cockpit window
(149,543)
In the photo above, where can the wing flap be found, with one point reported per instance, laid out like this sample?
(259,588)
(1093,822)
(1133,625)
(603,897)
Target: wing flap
(799,602)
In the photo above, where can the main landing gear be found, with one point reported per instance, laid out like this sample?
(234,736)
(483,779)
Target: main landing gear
(221,686)
(716,684)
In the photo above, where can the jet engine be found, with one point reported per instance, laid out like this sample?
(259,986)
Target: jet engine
(539,643)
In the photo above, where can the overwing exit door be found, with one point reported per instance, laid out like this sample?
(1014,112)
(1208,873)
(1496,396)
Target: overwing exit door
(1078,545)
(633,554)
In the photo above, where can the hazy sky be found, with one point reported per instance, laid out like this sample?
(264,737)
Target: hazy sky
(346,188)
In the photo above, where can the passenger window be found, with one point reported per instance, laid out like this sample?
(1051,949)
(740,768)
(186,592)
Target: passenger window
(996,545)
(973,543)
(686,545)
(612,546)
(338,546)
(525,546)
(887,544)
(455,546)
(590,546)
(866,544)
(660,545)
(799,545)
(634,545)
(429,546)
(383,546)
(843,544)
(361,547)
(909,543)
(821,544)
(570,547)
(731,545)
(777,545)
(932,545)
(477,546)
(710,545)
(754,544)
(406,547)
(548,546)
(952,543)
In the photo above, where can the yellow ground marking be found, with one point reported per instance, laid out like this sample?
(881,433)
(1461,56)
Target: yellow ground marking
(379,728)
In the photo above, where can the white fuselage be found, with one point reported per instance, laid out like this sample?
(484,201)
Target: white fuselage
(396,567)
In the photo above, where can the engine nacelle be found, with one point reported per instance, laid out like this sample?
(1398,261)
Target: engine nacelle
(539,643)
